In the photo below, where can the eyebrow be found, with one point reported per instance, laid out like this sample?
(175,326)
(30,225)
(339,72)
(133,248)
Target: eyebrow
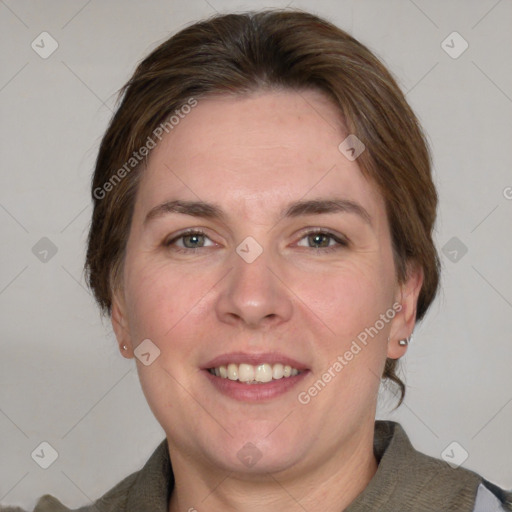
(295,209)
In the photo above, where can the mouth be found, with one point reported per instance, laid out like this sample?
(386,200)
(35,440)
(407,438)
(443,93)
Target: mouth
(254,377)
(253,374)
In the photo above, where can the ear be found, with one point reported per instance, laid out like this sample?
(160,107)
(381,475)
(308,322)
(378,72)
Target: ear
(120,325)
(403,323)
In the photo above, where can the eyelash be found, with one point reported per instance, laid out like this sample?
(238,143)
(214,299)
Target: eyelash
(341,243)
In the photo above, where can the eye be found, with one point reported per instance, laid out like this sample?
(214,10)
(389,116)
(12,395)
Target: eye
(319,240)
(323,240)
(190,240)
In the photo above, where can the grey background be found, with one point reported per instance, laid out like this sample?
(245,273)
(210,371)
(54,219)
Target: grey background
(62,379)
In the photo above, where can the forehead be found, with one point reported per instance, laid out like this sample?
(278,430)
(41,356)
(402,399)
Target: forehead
(258,150)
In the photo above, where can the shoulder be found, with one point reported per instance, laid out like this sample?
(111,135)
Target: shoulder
(113,501)
(151,481)
(431,481)
(150,485)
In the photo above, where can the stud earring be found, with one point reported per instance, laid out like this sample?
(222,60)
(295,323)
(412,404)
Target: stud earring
(406,341)
(125,347)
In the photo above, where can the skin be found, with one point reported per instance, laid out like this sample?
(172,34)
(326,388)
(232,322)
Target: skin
(253,155)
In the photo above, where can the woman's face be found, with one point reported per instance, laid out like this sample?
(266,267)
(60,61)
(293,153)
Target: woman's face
(258,288)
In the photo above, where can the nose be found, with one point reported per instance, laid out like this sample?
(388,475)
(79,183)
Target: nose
(255,294)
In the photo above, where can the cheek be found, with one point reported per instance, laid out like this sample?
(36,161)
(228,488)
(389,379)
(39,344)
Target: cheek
(348,298)
(162,299)
(161,305)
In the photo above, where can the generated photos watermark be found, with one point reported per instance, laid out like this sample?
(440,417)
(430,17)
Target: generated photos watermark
(138,156)
(304,397)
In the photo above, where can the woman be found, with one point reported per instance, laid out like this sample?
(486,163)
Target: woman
(262,241)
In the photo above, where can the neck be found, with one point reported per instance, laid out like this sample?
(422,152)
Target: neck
(329,486)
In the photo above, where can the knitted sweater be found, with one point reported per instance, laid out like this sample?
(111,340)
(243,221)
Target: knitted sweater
(406,480)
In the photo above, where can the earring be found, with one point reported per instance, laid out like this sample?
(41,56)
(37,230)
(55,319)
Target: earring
(125,347)
(406,341)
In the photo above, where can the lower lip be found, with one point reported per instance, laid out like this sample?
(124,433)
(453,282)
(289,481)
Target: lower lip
(254,392)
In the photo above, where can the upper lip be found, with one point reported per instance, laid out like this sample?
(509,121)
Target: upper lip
(254,359)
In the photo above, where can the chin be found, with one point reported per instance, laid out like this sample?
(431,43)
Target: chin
(256,449)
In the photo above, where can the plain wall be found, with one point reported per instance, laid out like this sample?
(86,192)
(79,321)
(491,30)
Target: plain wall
(62,379)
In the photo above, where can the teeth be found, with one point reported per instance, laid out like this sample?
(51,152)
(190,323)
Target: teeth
(232,371)
(249,373)
(278,371)
(246,373)
(263,373)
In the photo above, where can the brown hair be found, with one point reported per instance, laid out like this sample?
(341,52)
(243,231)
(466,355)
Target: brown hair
(242,53)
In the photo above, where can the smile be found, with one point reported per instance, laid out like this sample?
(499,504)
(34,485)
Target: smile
(249,373)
